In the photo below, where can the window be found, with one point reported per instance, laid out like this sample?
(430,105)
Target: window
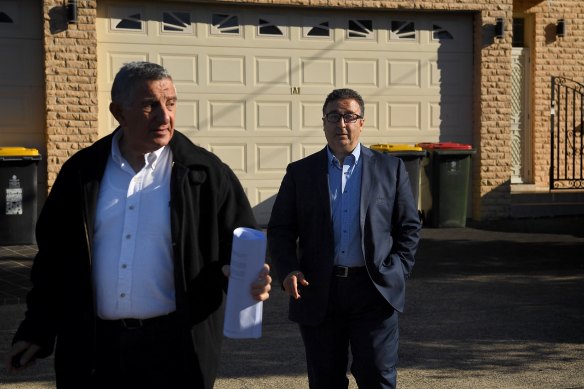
(265,27)
(225,24)
(361,29)
(176,22)
(130,22)
(518,32)
(402,30)
(320,30)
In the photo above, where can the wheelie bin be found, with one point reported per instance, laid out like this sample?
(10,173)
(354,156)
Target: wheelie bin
(18,195)
(445,182)
(412,157)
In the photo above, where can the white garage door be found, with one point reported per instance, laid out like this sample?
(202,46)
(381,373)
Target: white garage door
(251,81)
(21,78)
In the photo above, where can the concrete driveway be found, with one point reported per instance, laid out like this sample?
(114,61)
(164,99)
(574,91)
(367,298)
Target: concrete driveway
(492,305)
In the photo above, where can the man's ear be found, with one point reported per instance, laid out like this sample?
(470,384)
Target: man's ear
(117,111)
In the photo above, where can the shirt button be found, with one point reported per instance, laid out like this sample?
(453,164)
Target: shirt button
(131,207)
(129,236)
(122,295)
(124,266)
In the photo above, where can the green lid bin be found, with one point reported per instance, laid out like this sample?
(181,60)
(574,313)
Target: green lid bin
(412,157)
(445,182)
(18,195)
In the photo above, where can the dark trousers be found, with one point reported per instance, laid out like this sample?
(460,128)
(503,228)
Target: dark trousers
(360,319)
(152,356)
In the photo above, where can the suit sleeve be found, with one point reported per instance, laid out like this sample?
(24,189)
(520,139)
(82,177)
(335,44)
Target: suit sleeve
(406,223)
(283,228)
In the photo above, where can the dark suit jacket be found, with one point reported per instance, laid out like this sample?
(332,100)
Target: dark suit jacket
(300,233)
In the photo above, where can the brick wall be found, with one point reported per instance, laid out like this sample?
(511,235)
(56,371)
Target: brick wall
(70,82)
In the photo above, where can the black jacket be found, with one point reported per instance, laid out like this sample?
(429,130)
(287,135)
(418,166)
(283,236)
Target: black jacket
(207,204)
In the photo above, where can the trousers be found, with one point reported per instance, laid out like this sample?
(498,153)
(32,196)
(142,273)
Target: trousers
(360,324)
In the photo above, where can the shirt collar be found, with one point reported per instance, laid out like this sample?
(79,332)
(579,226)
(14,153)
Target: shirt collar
(150,159)
(356,153)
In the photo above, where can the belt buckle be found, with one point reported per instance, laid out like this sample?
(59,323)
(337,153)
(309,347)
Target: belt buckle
(342,271)
(131,324)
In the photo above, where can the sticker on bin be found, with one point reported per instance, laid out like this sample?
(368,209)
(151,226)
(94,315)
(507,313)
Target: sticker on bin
(445,146)
(395,147)
(14,197)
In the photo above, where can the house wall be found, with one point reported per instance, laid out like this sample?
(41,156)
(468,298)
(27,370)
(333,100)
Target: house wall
(552,56)
(71,81)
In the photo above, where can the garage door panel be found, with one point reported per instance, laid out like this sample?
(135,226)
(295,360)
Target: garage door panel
(273,116)
(272,71)
(235,155)
(116,58)
(317,72)
(311,115)
(226,70)
(404,116)
(361,73)
(403,73)
(22,66)
(450,74)
(15,105)
(183,67)
(187,118)
(226,115)
(272,157)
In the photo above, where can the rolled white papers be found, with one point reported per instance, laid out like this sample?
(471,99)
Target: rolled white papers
(243,314)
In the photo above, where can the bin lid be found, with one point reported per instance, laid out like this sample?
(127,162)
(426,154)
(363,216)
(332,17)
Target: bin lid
(395,147)
(444,146)
(18,152)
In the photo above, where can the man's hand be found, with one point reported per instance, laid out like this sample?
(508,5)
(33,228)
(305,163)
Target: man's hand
(20,356)
(260,288)
(292,281)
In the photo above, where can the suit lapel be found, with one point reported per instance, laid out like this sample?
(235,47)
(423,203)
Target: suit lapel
(367,169)
(323,184)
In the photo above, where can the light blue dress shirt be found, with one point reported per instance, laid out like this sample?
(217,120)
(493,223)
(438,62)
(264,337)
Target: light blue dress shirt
(345,199)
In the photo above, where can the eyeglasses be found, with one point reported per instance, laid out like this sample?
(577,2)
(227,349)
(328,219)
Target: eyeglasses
(335,117)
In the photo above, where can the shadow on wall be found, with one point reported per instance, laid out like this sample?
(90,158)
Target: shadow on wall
(263,210)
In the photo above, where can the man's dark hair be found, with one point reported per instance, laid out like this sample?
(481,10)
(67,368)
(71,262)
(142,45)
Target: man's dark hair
(132,74)
(345,93)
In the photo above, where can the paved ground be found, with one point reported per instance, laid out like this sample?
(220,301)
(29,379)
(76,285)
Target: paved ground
(492,305)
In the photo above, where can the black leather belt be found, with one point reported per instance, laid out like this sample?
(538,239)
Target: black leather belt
(133,324)
(346,271)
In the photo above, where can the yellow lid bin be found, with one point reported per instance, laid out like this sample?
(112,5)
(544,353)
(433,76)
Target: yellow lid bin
(391,148)
(18,152)
(412,157)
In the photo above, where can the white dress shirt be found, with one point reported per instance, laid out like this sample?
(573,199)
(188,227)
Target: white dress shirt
(132,272)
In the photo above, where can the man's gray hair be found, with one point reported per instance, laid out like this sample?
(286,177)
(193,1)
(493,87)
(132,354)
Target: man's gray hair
(133,74)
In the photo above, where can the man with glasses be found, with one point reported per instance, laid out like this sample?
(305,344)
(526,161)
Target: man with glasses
(342,236)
